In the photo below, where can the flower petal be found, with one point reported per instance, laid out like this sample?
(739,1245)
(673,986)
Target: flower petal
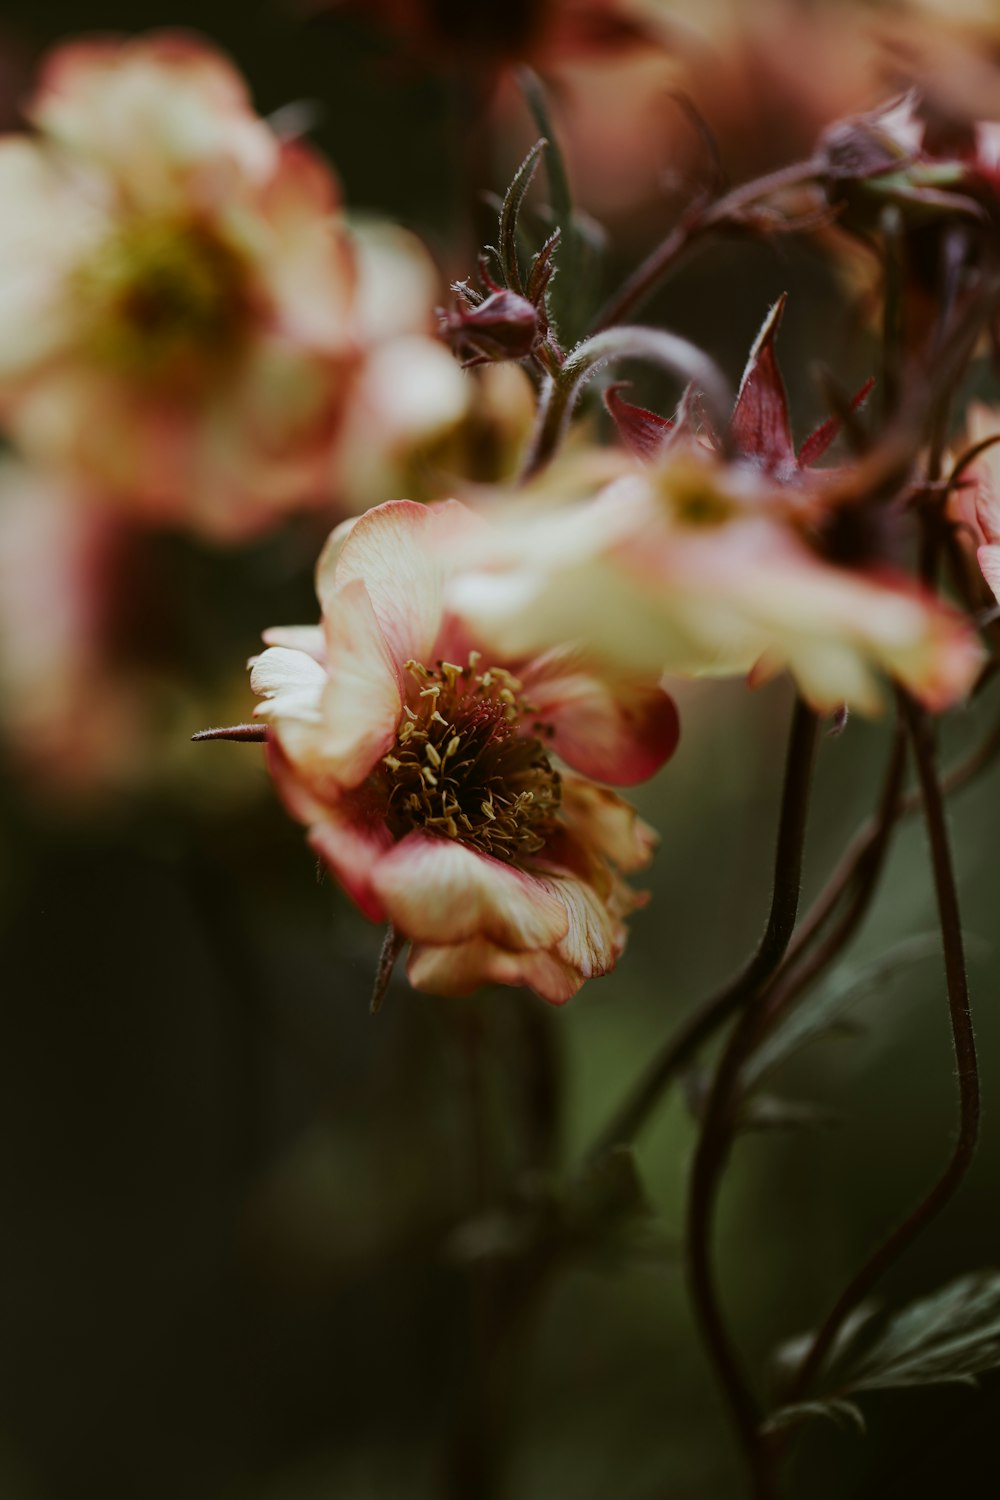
(307,638)
(594,938)
(989,562)
(334,723)
(605,822)
(461,968)
(759,426)
(390,552)
(436,891)
(352,847)
(608,727)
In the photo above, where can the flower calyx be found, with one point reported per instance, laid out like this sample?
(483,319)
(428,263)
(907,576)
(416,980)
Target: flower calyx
(507,319)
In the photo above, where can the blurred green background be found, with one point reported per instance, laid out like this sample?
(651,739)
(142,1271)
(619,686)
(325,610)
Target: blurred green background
(241,1220)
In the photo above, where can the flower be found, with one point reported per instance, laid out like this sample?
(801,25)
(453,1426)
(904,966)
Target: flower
(975,510)
(697,564)
(427,770)
(176,306)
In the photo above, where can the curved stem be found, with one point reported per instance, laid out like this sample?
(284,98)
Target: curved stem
(860,869)
(965,1054)
(713,1143)
(703,1022)
(562,388)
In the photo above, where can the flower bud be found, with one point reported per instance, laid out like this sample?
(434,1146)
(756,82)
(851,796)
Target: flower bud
(502,326)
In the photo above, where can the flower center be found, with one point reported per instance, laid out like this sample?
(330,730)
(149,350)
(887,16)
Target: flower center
(461,769)
(166,299)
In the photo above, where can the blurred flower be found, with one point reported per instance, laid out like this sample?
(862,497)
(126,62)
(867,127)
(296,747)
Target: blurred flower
(426,772)
(69,721)
(175,289)
(486,39)
(975,508)
(698,564)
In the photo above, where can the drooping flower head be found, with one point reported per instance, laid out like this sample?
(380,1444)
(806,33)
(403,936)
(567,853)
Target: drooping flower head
(703,561)
(175,316)
(449,789)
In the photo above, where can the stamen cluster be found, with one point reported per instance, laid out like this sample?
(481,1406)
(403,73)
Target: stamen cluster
(461,768)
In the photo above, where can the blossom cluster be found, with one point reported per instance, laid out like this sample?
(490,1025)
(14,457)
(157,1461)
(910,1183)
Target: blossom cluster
(195,335)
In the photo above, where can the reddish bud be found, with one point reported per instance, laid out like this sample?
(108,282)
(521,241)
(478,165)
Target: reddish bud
(501,326)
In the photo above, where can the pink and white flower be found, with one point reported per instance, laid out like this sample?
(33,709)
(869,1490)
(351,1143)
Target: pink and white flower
(695,564)
(176,289)
(976,508)
(428,772)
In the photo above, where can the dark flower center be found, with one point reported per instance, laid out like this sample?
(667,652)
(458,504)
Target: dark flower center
(165,299)
(461,768)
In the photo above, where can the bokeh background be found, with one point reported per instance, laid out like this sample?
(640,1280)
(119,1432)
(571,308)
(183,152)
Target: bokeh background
(247,1231)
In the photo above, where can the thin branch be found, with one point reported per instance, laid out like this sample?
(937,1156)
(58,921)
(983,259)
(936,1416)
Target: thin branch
(941,1193)
(698,221)
(705,1020)
(713,1143)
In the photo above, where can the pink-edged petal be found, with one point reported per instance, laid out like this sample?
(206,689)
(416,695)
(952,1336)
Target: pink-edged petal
(465,967)
(609,728)
(594,937)
(605,822)
(334,723)
(352,848)
(362,702)
(989,562)
(438,891)
(759,426)
(643,432)
(391,552)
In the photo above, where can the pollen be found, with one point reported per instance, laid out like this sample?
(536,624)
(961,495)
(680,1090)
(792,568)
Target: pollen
(461,767)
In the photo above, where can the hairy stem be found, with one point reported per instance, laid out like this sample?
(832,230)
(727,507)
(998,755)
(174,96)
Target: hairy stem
(562,387)
(903,1236)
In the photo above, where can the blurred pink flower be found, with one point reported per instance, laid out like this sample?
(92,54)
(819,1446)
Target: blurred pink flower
(426,770)
(69,721)
(976,508)
(175,289)
(698,565)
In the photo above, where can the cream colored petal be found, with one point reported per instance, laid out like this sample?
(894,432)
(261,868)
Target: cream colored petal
(989,562)
(307,638)
(391,552)
(606,823)
(362,702)
(333,723)
(594,937)
(462,968)
(438,891)
(280,672)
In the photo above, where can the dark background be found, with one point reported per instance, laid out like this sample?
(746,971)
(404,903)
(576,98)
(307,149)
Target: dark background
(232,1254)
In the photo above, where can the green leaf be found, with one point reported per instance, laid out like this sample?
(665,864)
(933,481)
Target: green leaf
(821,1013)
(950,1337)
(582,243)
(844,1413)
(768,1112)
(510,213)
(555,166)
